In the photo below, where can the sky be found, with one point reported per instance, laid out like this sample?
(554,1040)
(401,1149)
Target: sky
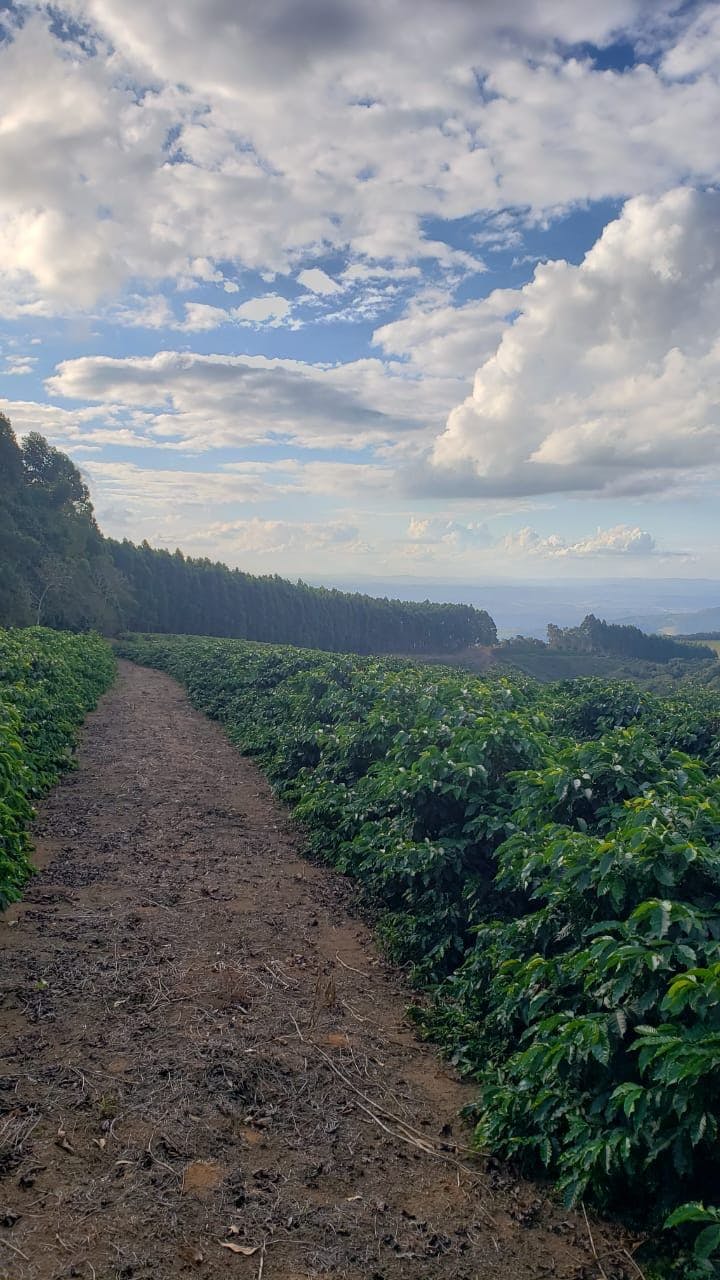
(399,289)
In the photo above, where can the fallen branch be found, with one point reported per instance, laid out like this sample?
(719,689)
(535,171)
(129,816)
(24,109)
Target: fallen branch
(633,1263)
(15,1249)
(350,967)
(603,1273)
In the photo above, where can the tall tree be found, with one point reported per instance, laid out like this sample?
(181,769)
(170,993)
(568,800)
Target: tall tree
(56,567)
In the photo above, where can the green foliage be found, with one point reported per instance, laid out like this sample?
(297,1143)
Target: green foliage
(707,1242)
(48,682)
(57,568)
(547,860)
(173,592)
(612,640)
(54,564)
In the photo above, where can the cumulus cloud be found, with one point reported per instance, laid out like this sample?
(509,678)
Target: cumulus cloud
(622,540)
(318,281)
(152,312)
(161,144)
(286,43)
(448,535)
(607,380)
(436,337)
(441,540)
(258,310)
(698,49)
(202,317)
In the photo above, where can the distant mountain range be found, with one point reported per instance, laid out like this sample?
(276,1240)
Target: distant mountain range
(672,605)
(677,624)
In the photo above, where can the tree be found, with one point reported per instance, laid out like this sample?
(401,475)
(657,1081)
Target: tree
(54,575)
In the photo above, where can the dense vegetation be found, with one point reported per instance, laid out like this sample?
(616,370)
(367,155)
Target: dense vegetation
(546,663)
(56,567)
(171,592)
(611,640)
(548,861)
(48,682)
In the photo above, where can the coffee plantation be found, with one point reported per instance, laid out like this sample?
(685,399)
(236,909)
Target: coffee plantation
(547,860)
(48,682)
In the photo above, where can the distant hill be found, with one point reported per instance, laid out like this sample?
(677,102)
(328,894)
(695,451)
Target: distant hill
(678,623)
(523,606)
(607,639)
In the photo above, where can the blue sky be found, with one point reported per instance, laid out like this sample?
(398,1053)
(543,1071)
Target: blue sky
(391,290)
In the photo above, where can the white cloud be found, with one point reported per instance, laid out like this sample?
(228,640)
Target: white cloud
(77,428)
(201,317)
(608,379)
(148,489)
(622,540)
(361,271)
(698,49)
(171,142)
(203,402)
(435,538)
(198,510)
(15,366)
(260,537)
(241,49)
(448,535)
(331,479)
(318,281)
(153,312)
(436,337)
(258,310)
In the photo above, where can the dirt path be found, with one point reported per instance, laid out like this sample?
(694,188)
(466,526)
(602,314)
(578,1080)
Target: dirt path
(204,1065)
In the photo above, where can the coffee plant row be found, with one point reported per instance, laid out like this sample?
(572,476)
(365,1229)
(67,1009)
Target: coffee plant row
(547,859)
(49,680)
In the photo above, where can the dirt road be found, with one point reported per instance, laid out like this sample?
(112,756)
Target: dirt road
(204,1064)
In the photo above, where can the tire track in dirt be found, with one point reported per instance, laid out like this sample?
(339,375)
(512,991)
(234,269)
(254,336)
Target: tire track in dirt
(205,1069)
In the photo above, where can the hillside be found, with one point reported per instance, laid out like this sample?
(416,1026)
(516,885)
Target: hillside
(56,567)
(677,622)
(546,664)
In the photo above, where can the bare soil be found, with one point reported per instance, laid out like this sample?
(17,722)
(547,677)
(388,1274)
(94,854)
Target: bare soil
(205,1066)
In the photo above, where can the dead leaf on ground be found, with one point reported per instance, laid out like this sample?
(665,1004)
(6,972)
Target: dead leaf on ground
(247,1250)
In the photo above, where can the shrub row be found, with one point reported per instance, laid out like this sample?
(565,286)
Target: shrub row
(49,680)
(548,861)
